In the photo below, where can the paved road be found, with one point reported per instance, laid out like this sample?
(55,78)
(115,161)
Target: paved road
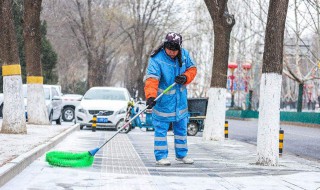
(301,141)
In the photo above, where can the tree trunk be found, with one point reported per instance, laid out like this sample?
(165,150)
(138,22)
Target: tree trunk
(36,106)
(270,88)
(91,78)
(300,97)
(223,23)
(14,121)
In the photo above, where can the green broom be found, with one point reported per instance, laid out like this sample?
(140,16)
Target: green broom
(85,159)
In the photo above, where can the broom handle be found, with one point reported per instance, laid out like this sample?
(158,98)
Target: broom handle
(134,117)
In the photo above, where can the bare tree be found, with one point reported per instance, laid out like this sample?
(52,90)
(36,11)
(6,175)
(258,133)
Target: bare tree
(145,25)
(222,25)
(129,31)
(300,59)
(313,8)
(300,68)
(14,121)
(72,65)
(270,88)
(36,106)
(246,47)
(199,40)
(98,38)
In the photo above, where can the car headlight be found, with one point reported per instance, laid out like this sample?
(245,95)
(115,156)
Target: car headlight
(82,110)
(122,111)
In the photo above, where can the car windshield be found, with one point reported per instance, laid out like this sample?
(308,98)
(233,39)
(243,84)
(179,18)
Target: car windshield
(104,94)
(72,96)
(46,92)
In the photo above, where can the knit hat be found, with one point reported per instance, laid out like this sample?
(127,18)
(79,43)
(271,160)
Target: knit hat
(173,41)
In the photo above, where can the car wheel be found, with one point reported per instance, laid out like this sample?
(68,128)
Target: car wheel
(1,108)
(68,114)
(50,117)
(193,128)
(58,121)
(120,124)
(81,127)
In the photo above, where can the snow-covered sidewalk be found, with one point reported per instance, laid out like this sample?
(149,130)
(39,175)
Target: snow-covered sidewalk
(127,162)
(19,150)
(13,145)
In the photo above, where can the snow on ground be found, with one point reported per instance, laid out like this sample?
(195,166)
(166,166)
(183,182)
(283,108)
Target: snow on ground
(11,146)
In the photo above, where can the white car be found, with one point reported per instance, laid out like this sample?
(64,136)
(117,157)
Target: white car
(53,101)
(70,102)
(107,102)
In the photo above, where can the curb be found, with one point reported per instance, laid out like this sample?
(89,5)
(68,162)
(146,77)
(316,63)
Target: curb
(313,125)
(15,166)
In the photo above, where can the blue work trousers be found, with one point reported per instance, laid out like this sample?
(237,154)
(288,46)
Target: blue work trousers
(160,138)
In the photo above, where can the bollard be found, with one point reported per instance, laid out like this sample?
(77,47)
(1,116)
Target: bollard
(94,123)
(281,136)
(226,125)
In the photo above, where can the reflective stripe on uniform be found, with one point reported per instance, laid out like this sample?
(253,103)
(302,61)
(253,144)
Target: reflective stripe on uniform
(160,147)
(178,137)
(151,76)
(181,145)
(172,91)
(160,138)
(162,114)
(183,111)
(173,114)
(169,92)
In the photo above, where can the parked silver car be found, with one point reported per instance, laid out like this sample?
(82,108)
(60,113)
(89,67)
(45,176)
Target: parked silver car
(53,101)
(70,102)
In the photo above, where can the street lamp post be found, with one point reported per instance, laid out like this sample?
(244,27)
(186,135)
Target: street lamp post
(246,67)
(232,66)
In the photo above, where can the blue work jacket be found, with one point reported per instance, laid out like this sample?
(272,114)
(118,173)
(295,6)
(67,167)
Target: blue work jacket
(173,105)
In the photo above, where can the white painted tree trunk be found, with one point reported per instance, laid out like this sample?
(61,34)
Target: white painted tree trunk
(269,119)
(216,114)
(14,121)
(36,105)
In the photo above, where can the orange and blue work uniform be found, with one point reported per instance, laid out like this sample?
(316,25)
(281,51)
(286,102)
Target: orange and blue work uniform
(172,106)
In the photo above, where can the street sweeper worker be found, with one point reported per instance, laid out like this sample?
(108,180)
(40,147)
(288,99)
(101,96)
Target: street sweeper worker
(169,63)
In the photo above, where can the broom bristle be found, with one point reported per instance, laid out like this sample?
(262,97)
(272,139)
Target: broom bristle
(69,159)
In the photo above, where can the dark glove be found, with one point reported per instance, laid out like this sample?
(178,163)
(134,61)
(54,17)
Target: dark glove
(151,102)
(181,79)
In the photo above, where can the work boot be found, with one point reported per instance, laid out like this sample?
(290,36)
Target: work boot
(163,162)
(185,160)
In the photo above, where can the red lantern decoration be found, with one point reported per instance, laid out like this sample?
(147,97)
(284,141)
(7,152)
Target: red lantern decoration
(246,66)
(232,66)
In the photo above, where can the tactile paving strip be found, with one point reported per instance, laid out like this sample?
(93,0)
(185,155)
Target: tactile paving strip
(119,156)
